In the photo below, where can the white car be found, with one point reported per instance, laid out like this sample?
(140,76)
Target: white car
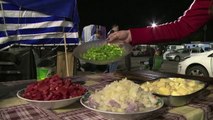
(198,65)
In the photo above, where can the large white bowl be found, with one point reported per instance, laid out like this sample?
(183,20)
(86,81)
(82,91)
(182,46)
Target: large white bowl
(52,104)
(146,113)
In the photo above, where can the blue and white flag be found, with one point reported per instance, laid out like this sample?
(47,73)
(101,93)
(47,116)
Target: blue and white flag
(22,22)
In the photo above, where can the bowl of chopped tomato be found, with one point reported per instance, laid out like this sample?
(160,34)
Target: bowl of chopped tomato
(52,93)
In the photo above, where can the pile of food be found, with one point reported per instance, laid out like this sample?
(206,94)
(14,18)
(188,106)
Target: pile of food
(53,88)
(104,52)
(173,86)
(122,96)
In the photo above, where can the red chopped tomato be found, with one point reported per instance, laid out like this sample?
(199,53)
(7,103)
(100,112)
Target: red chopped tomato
(53,88)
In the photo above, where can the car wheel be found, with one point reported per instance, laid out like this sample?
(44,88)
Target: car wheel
(177,58)
(197,71)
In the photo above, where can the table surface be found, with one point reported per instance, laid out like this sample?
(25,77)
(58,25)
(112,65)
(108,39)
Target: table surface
(13,108)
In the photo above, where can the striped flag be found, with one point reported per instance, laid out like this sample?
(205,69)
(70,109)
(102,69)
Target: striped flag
(26,27)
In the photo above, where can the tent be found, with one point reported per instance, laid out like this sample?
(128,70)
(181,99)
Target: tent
(39,23)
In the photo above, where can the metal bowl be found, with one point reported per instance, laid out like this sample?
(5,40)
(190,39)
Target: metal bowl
(146,113)
(177,101)
(81,49)
(52,104)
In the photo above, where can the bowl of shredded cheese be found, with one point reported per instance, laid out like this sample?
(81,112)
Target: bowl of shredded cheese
(124,100)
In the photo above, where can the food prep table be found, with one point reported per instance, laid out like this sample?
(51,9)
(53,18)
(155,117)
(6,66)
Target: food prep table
(13,108)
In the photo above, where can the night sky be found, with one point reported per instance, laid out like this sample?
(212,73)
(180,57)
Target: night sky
(136,13)
(130,13)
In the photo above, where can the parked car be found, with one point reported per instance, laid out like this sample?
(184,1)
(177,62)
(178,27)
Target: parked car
(175,47)
(179,54)
(165,54)
(199,65)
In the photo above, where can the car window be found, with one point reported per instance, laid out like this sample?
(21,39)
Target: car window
(180,50)
(173,47)
(207,48)
(197,50)
(194,51)
(185,51)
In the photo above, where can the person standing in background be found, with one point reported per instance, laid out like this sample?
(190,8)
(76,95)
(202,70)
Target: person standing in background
(151,58)
(113,66)
(157,59)
(89,31)
(128,62)
(98,35)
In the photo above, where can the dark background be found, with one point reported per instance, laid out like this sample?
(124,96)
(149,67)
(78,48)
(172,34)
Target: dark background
(135,13)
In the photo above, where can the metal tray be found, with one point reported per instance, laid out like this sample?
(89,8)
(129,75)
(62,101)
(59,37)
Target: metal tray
(81,49)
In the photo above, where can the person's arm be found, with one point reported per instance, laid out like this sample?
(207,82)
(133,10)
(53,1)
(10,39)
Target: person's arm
(194,18)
